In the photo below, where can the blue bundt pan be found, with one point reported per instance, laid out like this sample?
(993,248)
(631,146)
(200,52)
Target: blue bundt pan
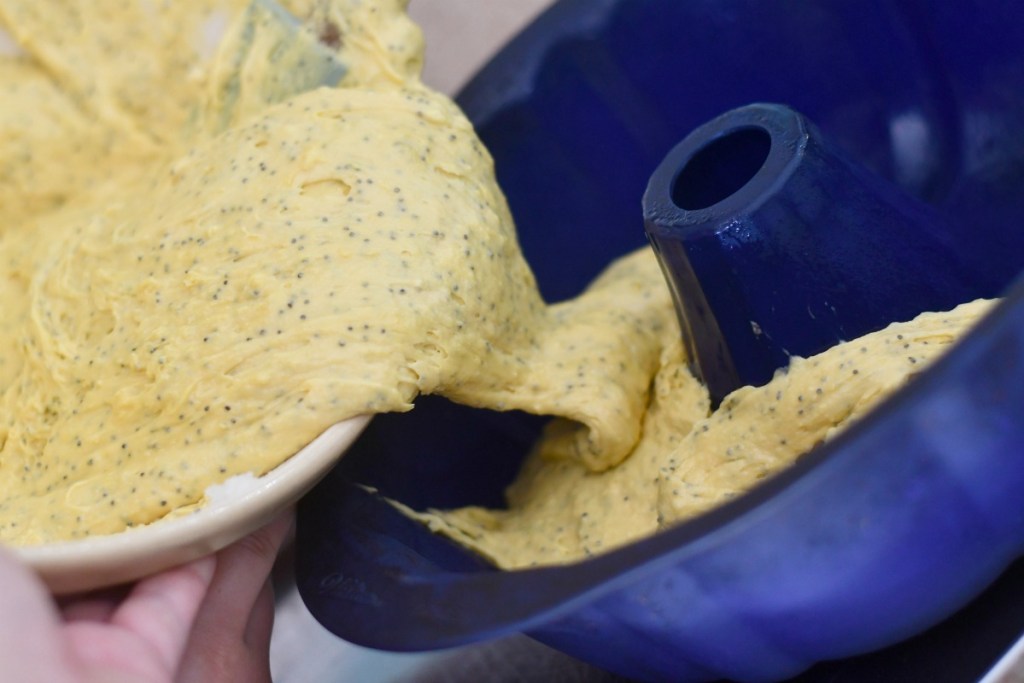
(872,538)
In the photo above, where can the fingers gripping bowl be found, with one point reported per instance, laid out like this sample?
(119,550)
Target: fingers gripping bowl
(865,541)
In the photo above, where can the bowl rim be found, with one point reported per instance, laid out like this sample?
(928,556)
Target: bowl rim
(102,561)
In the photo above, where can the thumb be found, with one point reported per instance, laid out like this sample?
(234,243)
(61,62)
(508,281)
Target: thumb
(31,647)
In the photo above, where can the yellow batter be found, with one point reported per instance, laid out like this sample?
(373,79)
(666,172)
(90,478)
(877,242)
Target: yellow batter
(188,298)
(207,258)
(690,459)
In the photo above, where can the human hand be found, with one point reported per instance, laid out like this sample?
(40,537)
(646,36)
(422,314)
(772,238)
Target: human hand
(209,620)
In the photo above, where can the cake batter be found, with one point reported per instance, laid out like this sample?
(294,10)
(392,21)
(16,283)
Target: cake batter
(223,230)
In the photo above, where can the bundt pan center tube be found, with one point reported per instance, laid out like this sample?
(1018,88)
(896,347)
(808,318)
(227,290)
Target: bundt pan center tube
(776,244)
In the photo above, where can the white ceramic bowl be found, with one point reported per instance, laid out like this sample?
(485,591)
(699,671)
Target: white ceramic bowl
(230,512)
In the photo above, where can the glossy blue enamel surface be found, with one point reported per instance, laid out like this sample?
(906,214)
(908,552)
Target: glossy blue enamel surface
(776,244)
(874,537)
